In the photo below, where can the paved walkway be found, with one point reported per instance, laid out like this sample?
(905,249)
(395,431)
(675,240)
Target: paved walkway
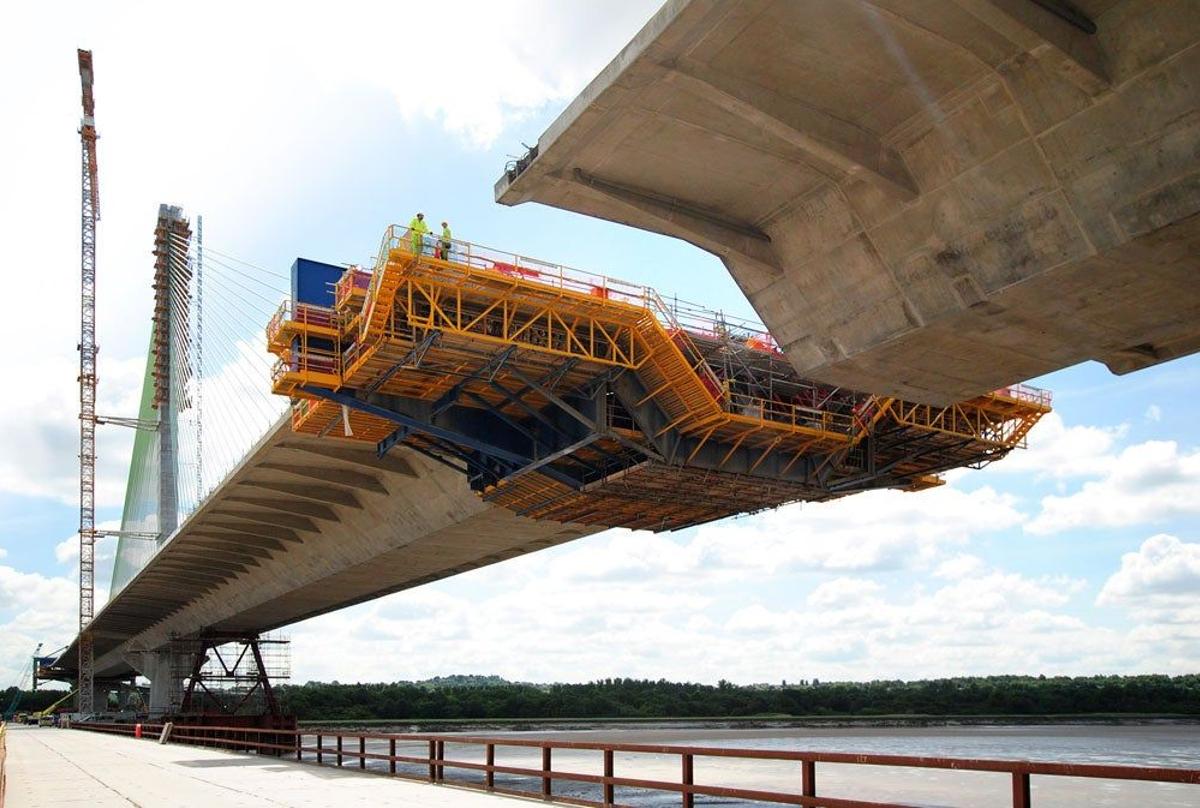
(48,768)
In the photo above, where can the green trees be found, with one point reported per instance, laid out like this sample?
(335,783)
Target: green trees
(489,697)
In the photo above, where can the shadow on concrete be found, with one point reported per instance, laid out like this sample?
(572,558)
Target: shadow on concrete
(273,765)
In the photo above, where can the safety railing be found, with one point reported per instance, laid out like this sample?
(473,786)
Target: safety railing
(137,730)
(1025,392)
(425,757)
(677,313)
(796,415)
(703,322)
(308,364)
(275,324)
(353,282)
(3,759)
(514,265)
(304,314)
(302,409)
(688,325)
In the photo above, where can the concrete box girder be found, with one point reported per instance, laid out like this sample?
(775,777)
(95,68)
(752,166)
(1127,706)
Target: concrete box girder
(233,565)
(910,192)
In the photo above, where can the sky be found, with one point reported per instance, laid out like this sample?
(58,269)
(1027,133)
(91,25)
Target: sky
(297,132)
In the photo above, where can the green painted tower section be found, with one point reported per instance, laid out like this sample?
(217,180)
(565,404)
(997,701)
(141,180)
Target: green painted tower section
(140,513)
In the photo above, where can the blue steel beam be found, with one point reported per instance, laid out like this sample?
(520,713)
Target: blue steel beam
(507,457)
(415,356)
(583,419)
(490,368)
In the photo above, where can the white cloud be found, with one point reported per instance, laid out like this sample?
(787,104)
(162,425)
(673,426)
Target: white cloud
(263,114)
(959,566)
(1059,451)
(1159,585)
(1163,569)
(1153,413)
(34,609)
(67,550)
(843,592)
(272,95)
(871,531)
(663,612)
(1147,483)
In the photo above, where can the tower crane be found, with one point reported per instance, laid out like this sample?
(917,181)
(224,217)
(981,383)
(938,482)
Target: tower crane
(90,204)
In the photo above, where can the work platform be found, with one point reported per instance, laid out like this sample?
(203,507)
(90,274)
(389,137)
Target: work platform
(51,768)
(572,397)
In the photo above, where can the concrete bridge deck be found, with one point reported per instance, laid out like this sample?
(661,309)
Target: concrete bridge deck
(49,768)
(302,527)
(925,199)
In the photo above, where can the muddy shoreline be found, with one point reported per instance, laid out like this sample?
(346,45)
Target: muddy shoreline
(742,727)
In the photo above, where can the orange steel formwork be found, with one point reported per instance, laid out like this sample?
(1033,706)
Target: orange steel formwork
(576,397)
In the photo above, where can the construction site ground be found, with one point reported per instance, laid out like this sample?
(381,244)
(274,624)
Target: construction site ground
(48,768)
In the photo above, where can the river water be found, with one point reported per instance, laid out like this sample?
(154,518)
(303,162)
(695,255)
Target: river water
(1154,744)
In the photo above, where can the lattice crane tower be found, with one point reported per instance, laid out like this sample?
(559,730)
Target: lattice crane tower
(87,384)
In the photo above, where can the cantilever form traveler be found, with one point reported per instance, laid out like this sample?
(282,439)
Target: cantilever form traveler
(574,397)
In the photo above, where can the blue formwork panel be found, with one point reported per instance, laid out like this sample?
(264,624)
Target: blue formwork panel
(312,282)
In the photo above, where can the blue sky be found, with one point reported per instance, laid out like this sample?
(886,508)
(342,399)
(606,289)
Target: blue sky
(300,134)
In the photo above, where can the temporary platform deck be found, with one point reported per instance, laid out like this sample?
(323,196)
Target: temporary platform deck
(575,397)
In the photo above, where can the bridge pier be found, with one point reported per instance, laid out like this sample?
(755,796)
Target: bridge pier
(166,685)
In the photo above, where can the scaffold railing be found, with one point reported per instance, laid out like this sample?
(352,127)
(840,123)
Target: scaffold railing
(437,319)
(441,273)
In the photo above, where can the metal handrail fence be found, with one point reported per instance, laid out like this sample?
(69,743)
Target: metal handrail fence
(676,315)
(330,747)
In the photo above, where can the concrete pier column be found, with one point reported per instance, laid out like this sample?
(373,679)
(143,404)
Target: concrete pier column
(163,668)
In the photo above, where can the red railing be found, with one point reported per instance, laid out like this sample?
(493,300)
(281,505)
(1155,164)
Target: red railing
(329,747)
(1024,392)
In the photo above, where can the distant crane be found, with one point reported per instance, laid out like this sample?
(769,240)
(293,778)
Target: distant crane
(15,701)
(43,716)
(90,184)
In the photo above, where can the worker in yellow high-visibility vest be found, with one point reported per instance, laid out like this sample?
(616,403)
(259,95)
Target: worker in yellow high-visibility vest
(417,230)
(445,244)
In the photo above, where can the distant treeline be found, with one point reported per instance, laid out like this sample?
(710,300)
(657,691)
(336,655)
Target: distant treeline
(31,700)
(491,697)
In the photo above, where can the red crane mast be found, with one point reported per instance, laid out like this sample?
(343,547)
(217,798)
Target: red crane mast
(87,385)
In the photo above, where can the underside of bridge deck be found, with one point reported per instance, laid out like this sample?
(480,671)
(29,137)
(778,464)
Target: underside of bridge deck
(303,527)
(922,199)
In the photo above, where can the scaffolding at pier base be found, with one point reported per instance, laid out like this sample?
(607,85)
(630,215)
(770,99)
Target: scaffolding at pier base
(575,397)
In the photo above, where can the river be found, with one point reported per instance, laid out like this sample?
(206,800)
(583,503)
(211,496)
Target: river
(1151,744)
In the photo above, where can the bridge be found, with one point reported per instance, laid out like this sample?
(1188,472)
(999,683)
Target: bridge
(925,200)
(985,191)
(449,407)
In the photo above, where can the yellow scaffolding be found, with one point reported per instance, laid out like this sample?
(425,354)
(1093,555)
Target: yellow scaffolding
(431,317)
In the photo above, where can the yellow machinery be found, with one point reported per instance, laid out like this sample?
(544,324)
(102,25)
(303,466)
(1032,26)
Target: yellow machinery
(575,397)
(43,717)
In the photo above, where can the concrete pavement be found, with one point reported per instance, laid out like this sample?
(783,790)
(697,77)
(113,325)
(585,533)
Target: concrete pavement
(48,768)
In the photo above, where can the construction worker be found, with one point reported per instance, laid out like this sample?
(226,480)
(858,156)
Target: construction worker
(417,231)
(447,240)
